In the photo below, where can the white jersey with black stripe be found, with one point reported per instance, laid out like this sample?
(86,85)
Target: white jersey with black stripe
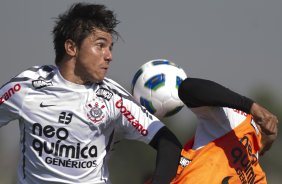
(68,130)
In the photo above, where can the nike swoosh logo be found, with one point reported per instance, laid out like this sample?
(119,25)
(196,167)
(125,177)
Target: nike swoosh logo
(44,105)
(225,180)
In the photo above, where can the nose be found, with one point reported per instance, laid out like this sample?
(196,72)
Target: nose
(108,55)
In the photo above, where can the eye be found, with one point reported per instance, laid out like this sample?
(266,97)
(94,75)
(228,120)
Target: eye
(100,45)
(111,48)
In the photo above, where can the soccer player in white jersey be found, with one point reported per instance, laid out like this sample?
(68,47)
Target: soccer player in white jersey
(70,115)
(232,130)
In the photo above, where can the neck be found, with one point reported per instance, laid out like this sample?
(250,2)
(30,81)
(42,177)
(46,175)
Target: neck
(67,70)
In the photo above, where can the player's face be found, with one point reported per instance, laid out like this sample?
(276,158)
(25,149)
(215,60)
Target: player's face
(94,56)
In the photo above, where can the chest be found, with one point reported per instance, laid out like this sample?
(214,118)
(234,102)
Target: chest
(70,111)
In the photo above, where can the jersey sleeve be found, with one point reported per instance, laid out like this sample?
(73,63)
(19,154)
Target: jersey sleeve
(135,121)
(10,102)
(132,120)
(11,96)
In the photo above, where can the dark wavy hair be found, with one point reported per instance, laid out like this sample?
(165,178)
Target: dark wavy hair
(78,22)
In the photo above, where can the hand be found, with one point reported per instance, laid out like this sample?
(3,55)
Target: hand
(267,124)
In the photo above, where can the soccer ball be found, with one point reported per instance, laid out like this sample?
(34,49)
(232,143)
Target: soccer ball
(155,86)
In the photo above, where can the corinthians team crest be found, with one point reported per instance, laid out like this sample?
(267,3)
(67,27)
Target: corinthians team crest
(95,111)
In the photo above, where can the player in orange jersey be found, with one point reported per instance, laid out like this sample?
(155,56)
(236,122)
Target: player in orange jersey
(232,131)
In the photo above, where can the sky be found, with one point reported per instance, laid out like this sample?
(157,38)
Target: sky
(235,43)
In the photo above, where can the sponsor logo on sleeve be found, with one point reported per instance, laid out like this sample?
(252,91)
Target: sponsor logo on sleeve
(130,118)
(104,93)
(9,93)
(40,83)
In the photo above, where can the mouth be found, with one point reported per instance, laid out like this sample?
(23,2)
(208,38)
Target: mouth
(105,68)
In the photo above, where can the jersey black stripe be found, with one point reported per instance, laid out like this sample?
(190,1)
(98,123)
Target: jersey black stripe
(129,97)
(23,150)
(33,69)
(118,87)
(20,79)
(110,141)
(47,68)
(50,76)
(116,91)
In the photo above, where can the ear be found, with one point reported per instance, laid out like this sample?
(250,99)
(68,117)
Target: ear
(70,47)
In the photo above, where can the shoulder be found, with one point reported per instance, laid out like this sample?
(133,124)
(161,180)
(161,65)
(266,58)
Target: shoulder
(28,76)
(111,83)
(114,87)
(35,72)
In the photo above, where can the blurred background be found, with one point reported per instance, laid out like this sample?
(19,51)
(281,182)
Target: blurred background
(235,43)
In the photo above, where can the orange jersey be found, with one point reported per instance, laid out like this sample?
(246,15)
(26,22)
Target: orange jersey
(231,159)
